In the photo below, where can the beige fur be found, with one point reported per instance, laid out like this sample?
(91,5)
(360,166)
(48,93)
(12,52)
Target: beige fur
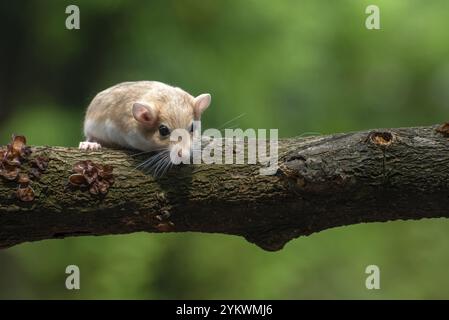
(110,121)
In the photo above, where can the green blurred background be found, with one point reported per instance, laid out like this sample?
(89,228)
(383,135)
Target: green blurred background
(300,66)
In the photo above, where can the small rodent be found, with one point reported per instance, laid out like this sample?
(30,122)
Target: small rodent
(141,115)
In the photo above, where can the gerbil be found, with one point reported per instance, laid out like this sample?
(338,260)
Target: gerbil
(141,115)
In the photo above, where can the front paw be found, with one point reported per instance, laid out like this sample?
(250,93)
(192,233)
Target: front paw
(86,145)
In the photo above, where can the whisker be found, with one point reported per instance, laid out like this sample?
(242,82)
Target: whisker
(146,162)
(150,160)
(154,159)
(153,164)
(146,152)
(167,167)
(231,127)
(230,121)
(161,165)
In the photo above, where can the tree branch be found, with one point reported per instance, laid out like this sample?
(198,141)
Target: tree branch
(322,182)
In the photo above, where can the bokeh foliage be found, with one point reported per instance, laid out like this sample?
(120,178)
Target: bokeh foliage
(300,66)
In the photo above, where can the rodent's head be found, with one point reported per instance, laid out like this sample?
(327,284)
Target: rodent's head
(162,111)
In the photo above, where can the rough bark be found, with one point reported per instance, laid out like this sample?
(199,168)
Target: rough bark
(322,182)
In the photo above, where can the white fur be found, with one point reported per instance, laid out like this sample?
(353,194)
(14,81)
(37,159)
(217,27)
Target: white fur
(87,145)
(108,131)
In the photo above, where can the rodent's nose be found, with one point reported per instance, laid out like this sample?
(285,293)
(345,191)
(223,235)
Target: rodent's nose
(186,155)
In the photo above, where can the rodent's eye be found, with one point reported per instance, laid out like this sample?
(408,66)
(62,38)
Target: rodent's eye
(164,130)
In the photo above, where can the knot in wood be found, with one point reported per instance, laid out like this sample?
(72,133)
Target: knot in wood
(381,139)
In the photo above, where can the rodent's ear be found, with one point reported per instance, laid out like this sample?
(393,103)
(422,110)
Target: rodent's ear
(145,114)
(201,103)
